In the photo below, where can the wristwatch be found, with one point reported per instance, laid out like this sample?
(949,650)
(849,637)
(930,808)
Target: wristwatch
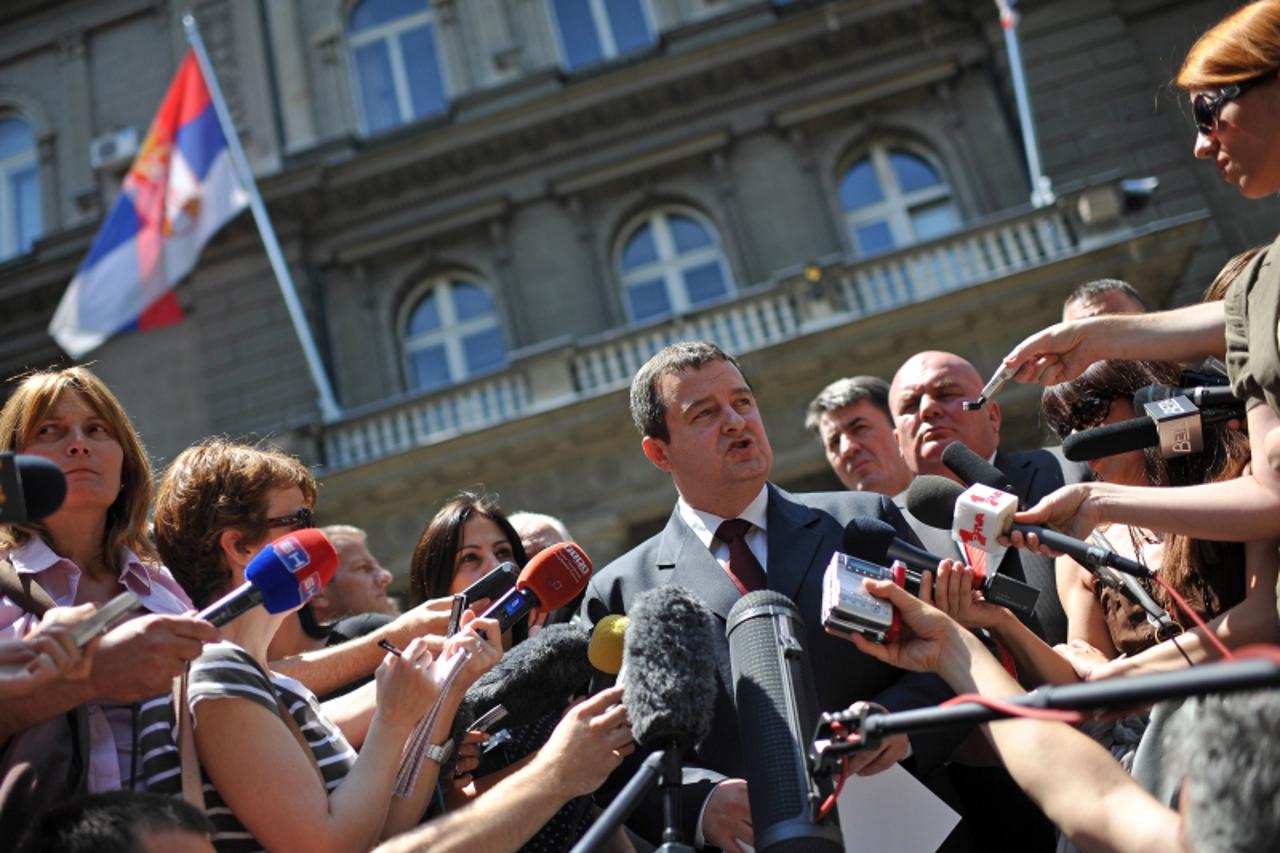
(439,753)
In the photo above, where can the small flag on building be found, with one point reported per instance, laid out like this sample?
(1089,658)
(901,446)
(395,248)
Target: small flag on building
(180,190)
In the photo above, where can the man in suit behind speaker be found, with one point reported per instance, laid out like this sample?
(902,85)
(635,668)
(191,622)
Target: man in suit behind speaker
(926,398)
(731,532)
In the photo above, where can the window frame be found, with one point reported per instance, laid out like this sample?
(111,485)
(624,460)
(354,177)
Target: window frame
(603,31)
(672,265)
(390,33)
(451,332)
(25,160)
(895,207)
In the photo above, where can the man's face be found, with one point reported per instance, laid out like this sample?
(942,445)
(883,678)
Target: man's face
(926,400)
(718,454)
(358,586)
(862,449)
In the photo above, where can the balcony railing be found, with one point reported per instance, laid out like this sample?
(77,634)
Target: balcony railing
(821,295)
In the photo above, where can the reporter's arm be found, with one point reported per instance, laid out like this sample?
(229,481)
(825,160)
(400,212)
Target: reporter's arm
(328,669)
(135,660)
(1076,782)
(1253,620)
(583,750)
(1063,351)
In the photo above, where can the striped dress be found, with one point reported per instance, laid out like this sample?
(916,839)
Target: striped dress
(225,671)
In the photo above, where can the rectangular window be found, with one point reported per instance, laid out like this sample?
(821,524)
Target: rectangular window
(377,88)
(422,66)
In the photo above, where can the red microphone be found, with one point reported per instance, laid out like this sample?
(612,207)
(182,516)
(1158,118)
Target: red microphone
(550,580)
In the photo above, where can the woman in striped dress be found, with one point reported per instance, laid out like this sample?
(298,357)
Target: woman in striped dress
(277,773)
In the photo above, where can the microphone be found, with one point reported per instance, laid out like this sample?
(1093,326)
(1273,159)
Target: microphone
(281,577)
(669,655)
(777,704)
(933,500)
(496,582)
(876,542)
(31,487)
(1175,421)
(972,468)
(550,580)
(1245,673)
(535,677)
(605,649)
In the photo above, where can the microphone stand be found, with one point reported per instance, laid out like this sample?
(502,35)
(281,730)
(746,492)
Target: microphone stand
(622,806)
(672,780)
(661,767)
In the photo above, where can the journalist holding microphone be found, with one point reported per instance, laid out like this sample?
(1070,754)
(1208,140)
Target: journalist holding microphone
(276,772)
(91,549)
(1232,77)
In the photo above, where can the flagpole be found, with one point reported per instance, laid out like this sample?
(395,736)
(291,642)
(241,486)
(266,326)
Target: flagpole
(1041,188)
(328,405)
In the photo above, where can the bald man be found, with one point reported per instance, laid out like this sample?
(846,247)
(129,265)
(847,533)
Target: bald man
(926,398)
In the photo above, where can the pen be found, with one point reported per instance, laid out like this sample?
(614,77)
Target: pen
(390,646)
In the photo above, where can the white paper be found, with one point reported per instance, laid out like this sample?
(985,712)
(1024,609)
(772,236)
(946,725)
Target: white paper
(892,812)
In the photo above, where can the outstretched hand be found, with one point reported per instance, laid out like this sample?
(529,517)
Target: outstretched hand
(924,634)
(1057,354)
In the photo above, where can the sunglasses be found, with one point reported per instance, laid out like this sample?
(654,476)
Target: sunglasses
(1205,107)
(1086,414)
(299,519)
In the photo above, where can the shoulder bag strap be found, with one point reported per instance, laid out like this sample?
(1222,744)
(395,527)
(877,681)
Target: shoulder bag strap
(24,591)
(192,789)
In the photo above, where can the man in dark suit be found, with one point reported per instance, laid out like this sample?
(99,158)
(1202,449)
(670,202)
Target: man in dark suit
(926,399)
(699,421)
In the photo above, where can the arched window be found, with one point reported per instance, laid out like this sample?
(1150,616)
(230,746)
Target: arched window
(396,61)
(451,334)
(595,30)
(671,261)
(20,221)
(893,197)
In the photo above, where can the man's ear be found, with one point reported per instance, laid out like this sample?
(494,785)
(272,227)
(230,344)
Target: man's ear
(656,450)
(993,412)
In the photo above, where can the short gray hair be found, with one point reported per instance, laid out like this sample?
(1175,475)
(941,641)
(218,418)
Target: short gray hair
(1092,290)
(846,392)
(648,411)
(524,521)
(1229,756)
(344,531)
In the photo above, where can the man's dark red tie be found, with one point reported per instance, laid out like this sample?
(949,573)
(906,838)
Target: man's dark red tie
(743,567)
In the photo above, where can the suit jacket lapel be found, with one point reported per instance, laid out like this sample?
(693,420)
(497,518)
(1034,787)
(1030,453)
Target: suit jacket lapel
(1021,474)
(692,567)
(793,543)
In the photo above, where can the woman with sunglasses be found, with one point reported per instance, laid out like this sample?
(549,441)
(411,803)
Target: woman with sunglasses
(276,771)
(93,548)
(1232,79)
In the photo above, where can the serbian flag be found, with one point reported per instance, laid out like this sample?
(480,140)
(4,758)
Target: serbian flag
(179,191)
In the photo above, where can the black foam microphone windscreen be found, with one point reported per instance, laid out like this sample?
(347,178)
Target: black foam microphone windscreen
(776,699)
(972,468)
(31,487)
(1111,439)
(668,661)
(535,677)
(932,499)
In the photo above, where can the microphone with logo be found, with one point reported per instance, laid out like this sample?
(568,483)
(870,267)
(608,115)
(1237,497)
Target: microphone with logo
(31,487)
(876,541)
(281,577)
(777,704)
(934,500)
(1175,421)
(549,581)
(668,680)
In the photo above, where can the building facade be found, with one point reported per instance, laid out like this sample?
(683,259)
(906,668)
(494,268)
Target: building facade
(496,210)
